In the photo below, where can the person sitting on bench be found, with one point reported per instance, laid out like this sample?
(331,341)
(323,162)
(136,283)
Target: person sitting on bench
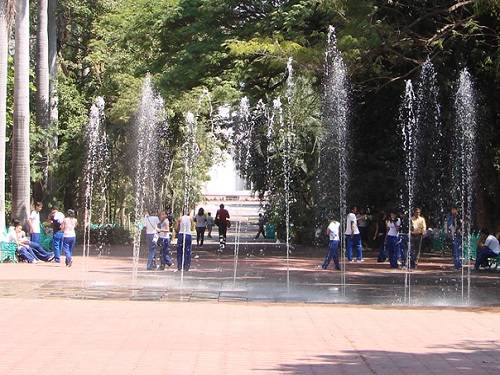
(488,247)
(28,250)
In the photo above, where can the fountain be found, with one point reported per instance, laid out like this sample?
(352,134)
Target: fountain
(95,173)
(430,177)
(334,151)
(464,164)
(150,123)
(408,121)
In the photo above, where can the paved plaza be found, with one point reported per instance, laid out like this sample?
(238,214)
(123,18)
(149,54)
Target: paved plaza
(125,337)
(228,317)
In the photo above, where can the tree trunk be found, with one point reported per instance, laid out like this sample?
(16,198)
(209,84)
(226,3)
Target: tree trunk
(20,131)
(42,80)
(5,20)
(53,98)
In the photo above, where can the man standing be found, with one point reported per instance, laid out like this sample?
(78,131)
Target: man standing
(333,245)
(488,247)
(164,232)
(453,228)
(184,241)
(222,221)
(34,223)
(151,222)
(56,217)
(352,236)
(262,222)
(418,228)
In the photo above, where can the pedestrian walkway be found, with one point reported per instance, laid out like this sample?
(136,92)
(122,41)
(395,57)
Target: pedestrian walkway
(52,337)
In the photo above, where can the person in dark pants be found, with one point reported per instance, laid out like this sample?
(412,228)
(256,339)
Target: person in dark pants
(353,237)
(201,224)
(262,223)
(17,235)
(222,221)
(392,239)
(488,247)
(453,229)
(56,218)
(164,234)
(184,241)
(379,236)
(333,245)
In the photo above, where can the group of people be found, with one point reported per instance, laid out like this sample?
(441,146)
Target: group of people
(392,236)
(158,234)
(62,228)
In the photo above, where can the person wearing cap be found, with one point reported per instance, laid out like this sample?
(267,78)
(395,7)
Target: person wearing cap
(69,236)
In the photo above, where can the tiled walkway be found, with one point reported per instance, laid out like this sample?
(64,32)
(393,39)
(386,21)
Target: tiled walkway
(73,337)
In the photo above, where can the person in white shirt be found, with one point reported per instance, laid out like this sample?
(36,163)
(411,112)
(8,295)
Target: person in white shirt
(164,232)
(69,236)
(488,247)
(184,241)
(151,224)
(34,222)
(352,236)
(56,217)
(27,250)
(333,245)
(392,238)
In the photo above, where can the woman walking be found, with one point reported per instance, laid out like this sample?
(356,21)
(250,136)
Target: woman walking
(184,241)
(201,224)
(392,239)
(69,236)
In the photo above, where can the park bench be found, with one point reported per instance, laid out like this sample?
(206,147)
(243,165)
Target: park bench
(7,249)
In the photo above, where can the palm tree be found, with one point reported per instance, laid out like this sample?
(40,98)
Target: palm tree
(20,132)
(42,78)
(6,16)
(53,98)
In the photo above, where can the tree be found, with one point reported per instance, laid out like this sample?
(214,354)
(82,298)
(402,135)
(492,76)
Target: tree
(6,16)
(20,132)
(53,96)
(42,80)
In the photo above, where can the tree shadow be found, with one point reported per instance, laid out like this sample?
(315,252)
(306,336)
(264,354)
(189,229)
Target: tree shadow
(468,357)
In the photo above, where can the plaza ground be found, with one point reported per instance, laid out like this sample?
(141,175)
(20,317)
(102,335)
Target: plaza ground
(56,336)
(228,317)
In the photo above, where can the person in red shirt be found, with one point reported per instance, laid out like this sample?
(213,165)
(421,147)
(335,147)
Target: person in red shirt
(222,221)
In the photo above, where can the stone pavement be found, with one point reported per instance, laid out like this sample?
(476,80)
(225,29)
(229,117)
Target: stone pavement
(51,337)
(256,278)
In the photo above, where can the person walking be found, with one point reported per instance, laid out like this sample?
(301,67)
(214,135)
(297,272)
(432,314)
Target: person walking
(184,241)
(333,245)
(151,223)
(69,236)
(222,221)
(34,223)
(201,224)
(392,239)
(379,237)
(418,229)
(210,224)
(488,247)
(57,218)
(352,236)
(164,237)
(261,223)
(453,230)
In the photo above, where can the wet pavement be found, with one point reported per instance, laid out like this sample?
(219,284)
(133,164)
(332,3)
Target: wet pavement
(257,276)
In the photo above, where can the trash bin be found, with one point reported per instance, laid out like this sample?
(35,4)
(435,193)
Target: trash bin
(270,231)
